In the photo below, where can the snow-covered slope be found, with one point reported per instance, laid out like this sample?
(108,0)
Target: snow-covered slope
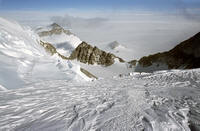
(160,101)
(64,41)
(56,97)
(23,60)
(18,50)
(100,71)
(2,88)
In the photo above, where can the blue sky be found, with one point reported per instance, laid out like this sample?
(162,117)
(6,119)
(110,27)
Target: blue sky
(97,4)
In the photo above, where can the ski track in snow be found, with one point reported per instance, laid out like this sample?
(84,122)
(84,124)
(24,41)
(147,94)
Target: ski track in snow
(165,100)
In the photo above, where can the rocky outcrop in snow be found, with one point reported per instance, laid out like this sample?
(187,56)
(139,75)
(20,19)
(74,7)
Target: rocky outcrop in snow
(62,39)
(49,47)
(86,53)
(185,55)
(52,50)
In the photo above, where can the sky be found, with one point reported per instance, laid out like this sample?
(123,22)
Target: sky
(143,26)
(97,4)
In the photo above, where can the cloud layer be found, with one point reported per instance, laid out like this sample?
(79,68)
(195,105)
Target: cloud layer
(78,22)
(142,32)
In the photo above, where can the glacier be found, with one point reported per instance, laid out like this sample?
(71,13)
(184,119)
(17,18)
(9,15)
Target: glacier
(40,92)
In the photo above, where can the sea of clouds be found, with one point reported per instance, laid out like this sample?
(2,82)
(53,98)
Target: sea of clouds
(144,32)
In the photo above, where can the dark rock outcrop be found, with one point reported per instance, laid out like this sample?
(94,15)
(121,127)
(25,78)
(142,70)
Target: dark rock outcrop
(132,63)
(86,53)
(52,50)
(185,55)
(48,47)
(87,73)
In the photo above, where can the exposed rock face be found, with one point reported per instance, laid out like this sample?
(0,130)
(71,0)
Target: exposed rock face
(55,29)
(132,63)
(48,47)
(186,55)
(52,50)
(85,53)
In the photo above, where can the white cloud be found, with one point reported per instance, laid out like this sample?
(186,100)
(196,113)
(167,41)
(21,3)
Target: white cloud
(142,32)
(71,21)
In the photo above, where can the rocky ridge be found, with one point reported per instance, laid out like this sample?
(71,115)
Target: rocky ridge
(52,50)
(185,55)
(88,54)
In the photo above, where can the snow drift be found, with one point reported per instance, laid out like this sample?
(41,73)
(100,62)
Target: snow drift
(160,101)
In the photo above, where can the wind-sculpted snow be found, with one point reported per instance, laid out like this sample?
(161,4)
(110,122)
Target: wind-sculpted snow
(160,101)
(18,51)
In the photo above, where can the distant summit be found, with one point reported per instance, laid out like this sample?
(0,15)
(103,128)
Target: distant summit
(115,45)
(119,49)
(62,39)
(52,29)
(185,55)
(55,25)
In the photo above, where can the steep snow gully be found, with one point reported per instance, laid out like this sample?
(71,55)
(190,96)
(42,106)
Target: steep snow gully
(56,97)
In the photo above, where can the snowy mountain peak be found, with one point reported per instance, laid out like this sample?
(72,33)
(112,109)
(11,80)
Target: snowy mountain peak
(55,26)
(63,40)
(53,29)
